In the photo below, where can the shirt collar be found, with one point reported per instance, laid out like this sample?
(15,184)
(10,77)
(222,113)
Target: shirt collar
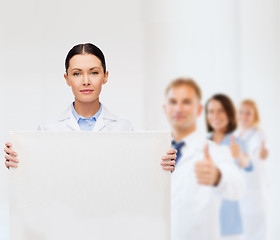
(78,117)
(193,140)
(224,141)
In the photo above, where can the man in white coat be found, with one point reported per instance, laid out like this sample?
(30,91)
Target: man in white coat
(204,172)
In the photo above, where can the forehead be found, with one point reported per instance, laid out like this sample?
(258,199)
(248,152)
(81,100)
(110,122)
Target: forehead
(247,107)
(84,61)
(181,92)
(213,103)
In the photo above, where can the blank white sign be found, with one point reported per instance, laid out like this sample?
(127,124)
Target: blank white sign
(85,185)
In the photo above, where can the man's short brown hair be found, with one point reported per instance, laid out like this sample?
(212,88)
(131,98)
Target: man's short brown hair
(185,82)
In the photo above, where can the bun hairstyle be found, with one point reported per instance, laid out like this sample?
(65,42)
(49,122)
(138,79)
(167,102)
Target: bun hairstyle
(86,48)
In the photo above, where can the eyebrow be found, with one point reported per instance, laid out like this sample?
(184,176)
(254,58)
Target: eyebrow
(78,69)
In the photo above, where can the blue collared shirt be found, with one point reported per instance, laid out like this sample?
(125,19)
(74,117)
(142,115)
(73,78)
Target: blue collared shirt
(86,124)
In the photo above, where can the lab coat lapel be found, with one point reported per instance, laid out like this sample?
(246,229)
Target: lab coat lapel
(100,124)
(69,120)
(103,120)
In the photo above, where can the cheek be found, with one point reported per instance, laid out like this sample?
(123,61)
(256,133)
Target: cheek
(73,85)
(210,117)
(225,118)
(97,83)
(251,118)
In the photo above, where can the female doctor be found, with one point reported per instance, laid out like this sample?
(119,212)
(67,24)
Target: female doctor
(221,122)
(254,204)
(85,73)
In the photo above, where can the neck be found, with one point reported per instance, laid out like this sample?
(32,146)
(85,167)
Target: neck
(243,130)
(87,110)
(218,136)
(180,134)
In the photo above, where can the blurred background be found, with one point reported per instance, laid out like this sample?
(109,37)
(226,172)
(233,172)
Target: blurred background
(229,47)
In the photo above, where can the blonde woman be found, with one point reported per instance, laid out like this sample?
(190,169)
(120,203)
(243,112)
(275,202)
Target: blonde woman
(253,206)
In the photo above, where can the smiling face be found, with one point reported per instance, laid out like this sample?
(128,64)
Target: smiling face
(182,107)
(216,116)
(246,116)
(86,76)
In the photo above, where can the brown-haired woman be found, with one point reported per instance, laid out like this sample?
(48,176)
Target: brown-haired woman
(221,122)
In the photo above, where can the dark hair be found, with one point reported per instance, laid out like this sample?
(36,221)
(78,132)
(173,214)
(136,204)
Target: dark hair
(86,48)
(229,109)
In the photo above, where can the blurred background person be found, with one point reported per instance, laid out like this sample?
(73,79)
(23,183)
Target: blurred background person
(221,123)
(253,205)
(204,174)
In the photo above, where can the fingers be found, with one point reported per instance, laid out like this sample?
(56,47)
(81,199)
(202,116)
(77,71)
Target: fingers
(11,158)
(8,144)
(168,161)
(171,151)
(10,164)
(206,173)
(168,168)
(8,150)
(201,167)
(169,157)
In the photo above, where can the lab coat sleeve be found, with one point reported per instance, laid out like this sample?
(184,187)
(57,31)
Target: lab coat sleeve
(232,183)
(255,144)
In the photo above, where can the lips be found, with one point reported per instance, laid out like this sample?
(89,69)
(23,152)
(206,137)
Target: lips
(178,117)
(86,91)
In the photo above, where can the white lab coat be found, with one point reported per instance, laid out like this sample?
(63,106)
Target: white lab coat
(107,121)
(195,208)
(254,204)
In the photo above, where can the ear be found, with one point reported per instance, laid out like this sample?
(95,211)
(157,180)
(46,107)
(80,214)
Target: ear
(200,109)
(67,80)
(106,75)
(164,108)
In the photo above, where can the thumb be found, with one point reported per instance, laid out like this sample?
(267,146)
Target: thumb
(206,152)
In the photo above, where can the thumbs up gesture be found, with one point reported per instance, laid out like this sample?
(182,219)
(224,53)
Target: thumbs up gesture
(242,158)
(206,171)
(234,148)
(263,151)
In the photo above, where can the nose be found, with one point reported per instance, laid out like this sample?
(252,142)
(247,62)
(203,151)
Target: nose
(179,107)
(86,80)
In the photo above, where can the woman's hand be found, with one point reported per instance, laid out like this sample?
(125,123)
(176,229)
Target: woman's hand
(10,156)
(242,158)
(234,148)
(263,154)
(168,161)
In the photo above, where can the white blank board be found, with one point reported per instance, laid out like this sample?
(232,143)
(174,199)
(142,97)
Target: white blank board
(85,185)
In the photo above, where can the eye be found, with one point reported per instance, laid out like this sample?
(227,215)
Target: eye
(76,74)
(94,73)
(187,101)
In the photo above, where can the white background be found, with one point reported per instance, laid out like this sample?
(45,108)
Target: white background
(226,46)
